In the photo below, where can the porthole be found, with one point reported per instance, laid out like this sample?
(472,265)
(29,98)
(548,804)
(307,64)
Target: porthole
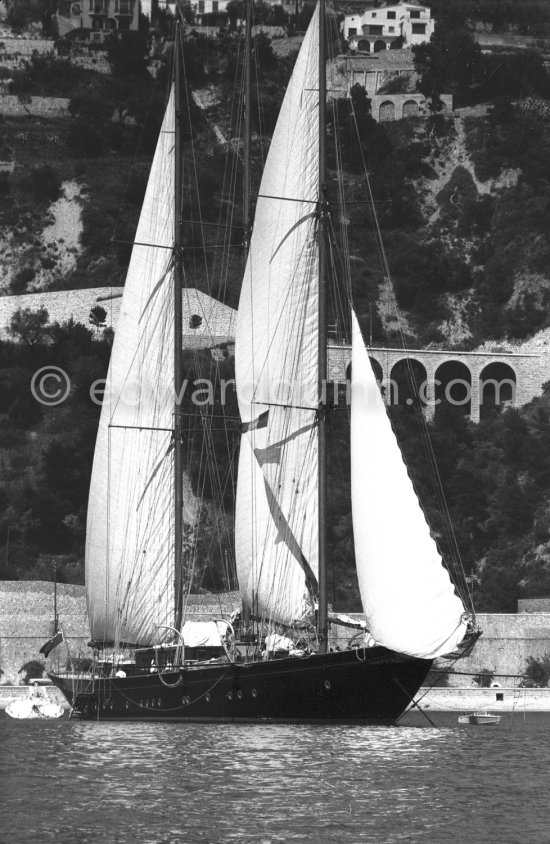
(127,705)
(185,700)
(254,693)
(207,698)
(230,695)
(147,703)
(239,694)
(152,703)
(141,702)
(159,702)
(327,684)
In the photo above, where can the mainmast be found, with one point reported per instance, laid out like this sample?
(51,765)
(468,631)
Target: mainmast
(178,330)
(322,614)
(247,128)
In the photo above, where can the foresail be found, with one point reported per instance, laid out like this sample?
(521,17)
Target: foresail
(276,364)
(130,531)
(408,597)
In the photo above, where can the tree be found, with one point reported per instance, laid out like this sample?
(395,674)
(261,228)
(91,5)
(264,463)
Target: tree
(127,52)
(90,105)
(538,670)
(84,140)
(98,315)
(450,63)
(235,12)
(29,326)
(31,670)
(23,12)
(46,182)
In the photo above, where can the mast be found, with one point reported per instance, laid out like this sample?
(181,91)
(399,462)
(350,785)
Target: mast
(247,128)
(322,615)
(55,616)
(247,611)
(178,330)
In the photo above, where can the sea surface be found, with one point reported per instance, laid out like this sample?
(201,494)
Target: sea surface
(71,781)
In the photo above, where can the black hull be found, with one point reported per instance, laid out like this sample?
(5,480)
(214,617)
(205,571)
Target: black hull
(372,686)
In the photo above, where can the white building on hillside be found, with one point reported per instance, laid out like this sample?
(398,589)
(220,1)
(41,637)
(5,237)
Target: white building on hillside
(389,27)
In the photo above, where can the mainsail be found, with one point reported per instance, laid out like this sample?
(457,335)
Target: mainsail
(407,594)
(130,531)
(276,364)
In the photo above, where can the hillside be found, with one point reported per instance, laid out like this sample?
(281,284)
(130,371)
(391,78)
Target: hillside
(463,207)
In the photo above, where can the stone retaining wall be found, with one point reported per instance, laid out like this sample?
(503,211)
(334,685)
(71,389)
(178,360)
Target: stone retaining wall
(26,623)
(12,106)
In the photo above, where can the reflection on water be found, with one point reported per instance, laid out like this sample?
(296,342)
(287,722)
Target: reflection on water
(69,781)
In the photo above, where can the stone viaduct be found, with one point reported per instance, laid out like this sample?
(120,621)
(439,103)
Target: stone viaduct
(466,379)
(386,107)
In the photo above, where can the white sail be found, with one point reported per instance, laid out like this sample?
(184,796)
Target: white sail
(276,364)
(407,594)
(130,531)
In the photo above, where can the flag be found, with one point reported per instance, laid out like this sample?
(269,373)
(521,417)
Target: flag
(52,643)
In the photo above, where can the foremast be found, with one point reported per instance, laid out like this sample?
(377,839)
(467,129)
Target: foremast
(322,612)
(178,330)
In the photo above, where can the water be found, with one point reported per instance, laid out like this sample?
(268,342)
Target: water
(69,781)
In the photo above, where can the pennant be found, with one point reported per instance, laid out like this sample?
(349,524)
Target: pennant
(52,643)
(259,422)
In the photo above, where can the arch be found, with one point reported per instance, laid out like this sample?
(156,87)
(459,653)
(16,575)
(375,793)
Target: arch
(410,108)
(363,46)
(497,386)
(453,385)
(376,368)
(386,111)
(408,378)
(379,46)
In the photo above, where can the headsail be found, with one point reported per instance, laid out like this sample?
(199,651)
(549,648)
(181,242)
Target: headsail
(130,531)
(409,600)
(276,364)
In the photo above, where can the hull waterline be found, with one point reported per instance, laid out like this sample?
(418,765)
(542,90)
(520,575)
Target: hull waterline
(374,685)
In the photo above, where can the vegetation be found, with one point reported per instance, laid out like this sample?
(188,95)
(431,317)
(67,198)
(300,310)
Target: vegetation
(538,670)
(484,678)
(464,213)
(32,670)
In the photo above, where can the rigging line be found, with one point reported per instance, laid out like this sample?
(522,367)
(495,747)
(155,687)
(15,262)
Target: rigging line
(140,243)
(288,406)
(459,568)
(195,168)
(168,88)
(287,198)
(141,428)
(282,311)
(215,482)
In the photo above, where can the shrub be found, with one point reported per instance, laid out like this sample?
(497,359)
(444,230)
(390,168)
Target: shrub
(46,182)
(84,140)
(538,670)
(5,183)
(29,326)
(21,279)
(31,670)
(484,678)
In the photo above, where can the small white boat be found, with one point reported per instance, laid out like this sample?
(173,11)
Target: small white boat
(37,705)
(479,718)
